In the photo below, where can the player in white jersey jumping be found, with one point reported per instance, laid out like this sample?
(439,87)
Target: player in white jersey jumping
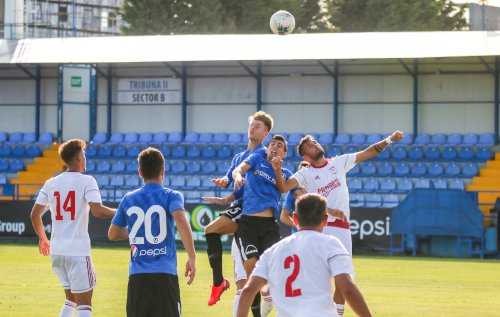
(299,268)
(327,177)
(70,196)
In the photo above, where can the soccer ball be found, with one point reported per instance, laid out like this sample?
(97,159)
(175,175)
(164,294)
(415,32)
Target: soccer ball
(282,22)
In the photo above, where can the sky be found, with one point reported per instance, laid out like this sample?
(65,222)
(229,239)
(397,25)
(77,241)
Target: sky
(495,3)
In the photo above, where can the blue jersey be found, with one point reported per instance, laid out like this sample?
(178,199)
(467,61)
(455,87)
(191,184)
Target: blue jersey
(147,214)
(260,191)
(290,205)
(240,157)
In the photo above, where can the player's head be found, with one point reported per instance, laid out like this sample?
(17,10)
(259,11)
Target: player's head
(260,125)
(309,149)
(310,211)
(276,147)
(151,164)
(72,153)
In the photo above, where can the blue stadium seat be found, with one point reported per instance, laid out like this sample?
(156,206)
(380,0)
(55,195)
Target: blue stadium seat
(405,185)
(4,166)
(193,152)
(244,139)
(454,139)
(326,138)
(333,151)
(116,138)
(33,151)
(438,139)
(383,156)
(15,137)
(29,137)
(486,139)
(355,184)
(162,138)
(178,167)
(370,185)
(436,169)
(167,166)
(440,183)
(470,139)
(407,140)
(368,168)
(104,151)
(358,139)
(193,167)
(165,150)
(470,170)
(103,166)
(352,149)
(131,138)
(224,152)
(91,151)
(387,185)
(132,167)
(466,153)
(19,151)
(418,170)
(166,181)
(268,138)
(422,183)
(234,138)
(119,151)
(416,153)
(100,138)
(385,169)
(239,148)
(4,136)
(373,138)
(373,200)
(5,151)
(3,179)
(457,184)
(432,153)
(178,151)
(402,169)
(133,151)
(294,139)
(399,153)
(449,153)
(452,170)
(174,137)
(208,167)
(102,181)
(177,181)
(422,139)
(484,154)
(192,197)
(90,166)
(342,139)
(357,200)
(219,138)
(132,181)
(117,181)
(290,165)
(118,167)
(205,138)
(223,167)
(354,171)
(209,152)
(16,165)
(145,138)
(191,138)
(390,201)
(206,182)
(193,182)
(45,138)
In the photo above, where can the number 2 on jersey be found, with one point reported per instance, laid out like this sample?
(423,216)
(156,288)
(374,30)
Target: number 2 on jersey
(68,206)
(289,291)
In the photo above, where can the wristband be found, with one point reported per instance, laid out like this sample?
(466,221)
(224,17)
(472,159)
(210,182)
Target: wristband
(388,140)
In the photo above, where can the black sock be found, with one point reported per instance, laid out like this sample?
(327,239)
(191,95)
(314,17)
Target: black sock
(256,306)
(214,251)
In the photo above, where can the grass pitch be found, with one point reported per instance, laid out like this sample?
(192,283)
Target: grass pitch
(392,286)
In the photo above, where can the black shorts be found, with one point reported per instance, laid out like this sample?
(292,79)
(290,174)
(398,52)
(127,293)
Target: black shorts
(255,235)
(153,295)
(233,212)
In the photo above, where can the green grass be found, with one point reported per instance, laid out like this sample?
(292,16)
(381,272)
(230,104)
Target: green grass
(393,286)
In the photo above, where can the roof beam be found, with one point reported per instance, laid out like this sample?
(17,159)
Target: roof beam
(251,72)
(328,70)
(100,72)
(172,68)
(405,67)
(26,71)
(486,65)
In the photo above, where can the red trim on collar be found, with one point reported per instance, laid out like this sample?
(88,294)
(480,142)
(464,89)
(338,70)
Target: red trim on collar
(320,166)
(71,171)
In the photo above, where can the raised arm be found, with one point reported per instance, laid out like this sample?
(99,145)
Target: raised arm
(375,149)
(238,173)
(36,220)
(186,235)
(282,185)
(101,211)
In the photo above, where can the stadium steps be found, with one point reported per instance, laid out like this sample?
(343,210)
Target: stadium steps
(488,186)
(36,174)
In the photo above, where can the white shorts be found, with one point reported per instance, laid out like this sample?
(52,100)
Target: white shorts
(239,269)
(344,235)
(76,273)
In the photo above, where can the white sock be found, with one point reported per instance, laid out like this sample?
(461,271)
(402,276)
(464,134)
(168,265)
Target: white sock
(340,310)
(236,302)
(68,309)
(266,305)
(84,311)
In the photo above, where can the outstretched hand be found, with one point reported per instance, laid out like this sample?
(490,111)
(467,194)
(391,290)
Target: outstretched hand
(216,200)
(397,135)
(220,182)
(337,213)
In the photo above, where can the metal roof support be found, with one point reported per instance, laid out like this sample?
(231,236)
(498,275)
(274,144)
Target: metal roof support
(93,103)
(26,71)
(251,72)
(100,72)
(405,66)
(487,66)
(258,77)
(414,75)
(184,97)
(172,68)
(59,103)
(335,103)
(497,97)
(109,100)
(37,100)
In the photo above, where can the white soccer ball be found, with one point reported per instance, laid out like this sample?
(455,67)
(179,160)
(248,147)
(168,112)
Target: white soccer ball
(282,22)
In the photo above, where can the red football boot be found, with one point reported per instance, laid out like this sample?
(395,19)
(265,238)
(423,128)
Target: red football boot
(217,292)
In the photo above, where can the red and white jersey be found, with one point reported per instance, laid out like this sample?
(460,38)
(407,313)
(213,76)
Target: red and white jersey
(299,270)
(329,181)
(68,196)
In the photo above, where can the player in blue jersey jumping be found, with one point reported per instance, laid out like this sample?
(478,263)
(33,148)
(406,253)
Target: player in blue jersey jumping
(146,217)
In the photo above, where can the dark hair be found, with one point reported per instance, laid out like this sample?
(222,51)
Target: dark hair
(310,209)
(300,148)
(151,163)
(70,149)
(303,164)
(280,138)
(264,117)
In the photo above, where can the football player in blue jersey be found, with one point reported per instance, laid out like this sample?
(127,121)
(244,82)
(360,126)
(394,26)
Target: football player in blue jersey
(146,217)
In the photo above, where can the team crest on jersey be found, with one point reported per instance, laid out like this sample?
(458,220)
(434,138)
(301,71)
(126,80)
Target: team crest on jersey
(133,251)
(332,170)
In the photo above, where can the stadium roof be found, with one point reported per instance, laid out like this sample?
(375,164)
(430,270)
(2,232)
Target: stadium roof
(185,48)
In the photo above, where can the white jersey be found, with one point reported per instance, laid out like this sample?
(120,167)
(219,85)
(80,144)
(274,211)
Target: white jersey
(68,196)
(329,181)
(299,269)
